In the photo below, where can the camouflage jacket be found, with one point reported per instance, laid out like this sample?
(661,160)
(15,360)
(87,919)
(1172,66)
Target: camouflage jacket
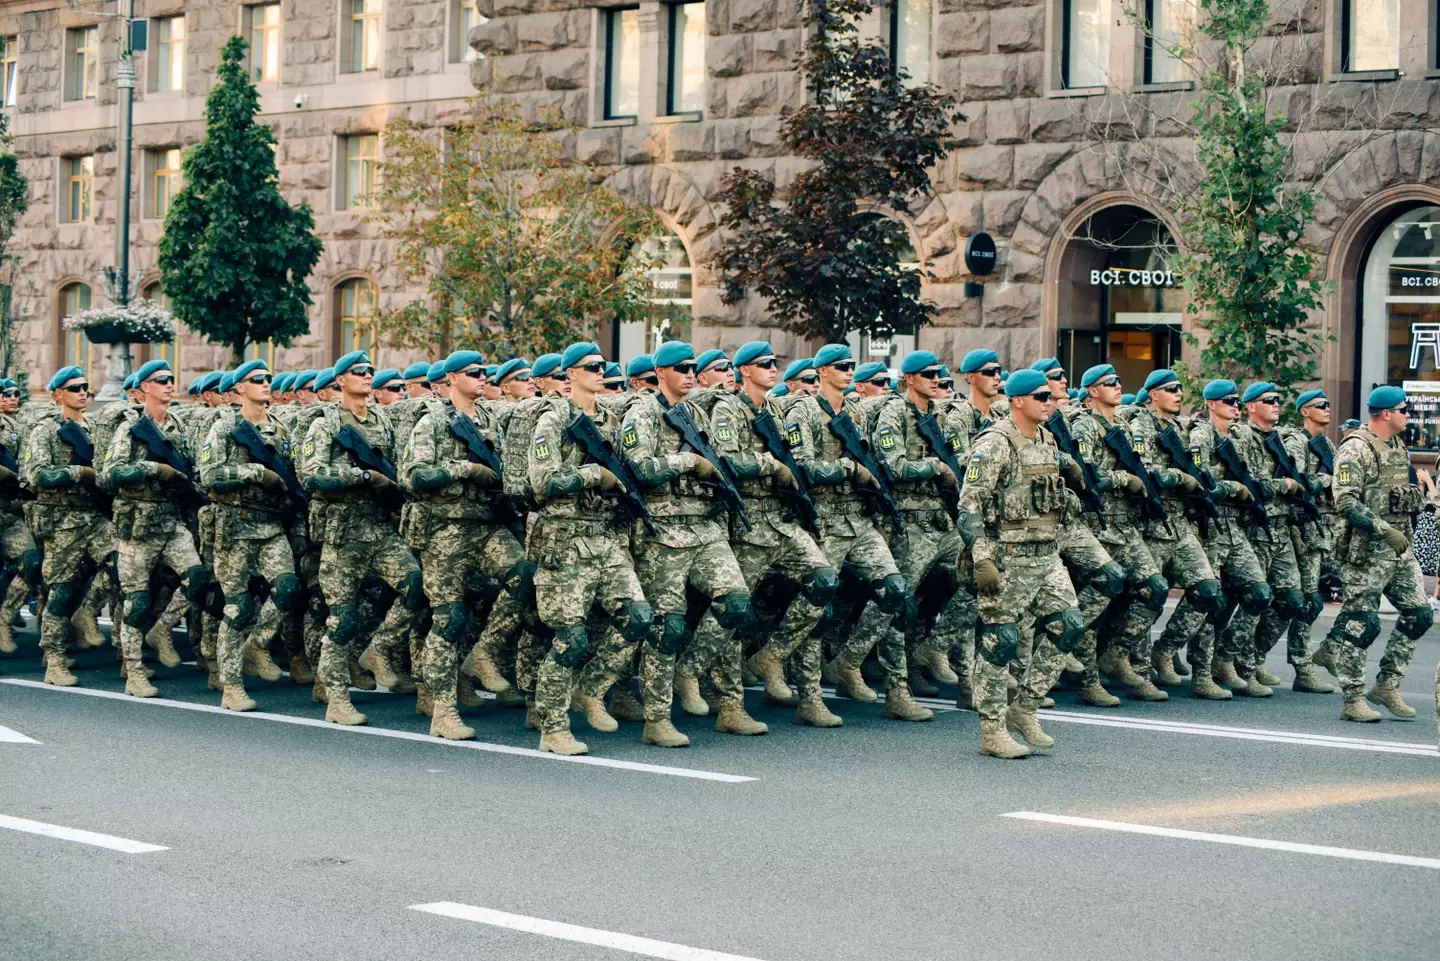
(1250,442)
(566,485)
(247,510)
(346,510)
(820,453)
(61,492)
(1230,492)
(1013,493)
(672,491)
(434,444)
(914,468)
(1372,485)
(154,505)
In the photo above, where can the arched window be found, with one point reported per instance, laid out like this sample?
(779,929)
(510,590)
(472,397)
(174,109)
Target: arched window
(76,348)
(669,316)
(262,351)
(889,350)
(170,351)
(356,304)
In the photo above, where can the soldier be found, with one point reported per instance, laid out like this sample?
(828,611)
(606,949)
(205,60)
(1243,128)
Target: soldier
(982,372)
(435,380)
(614,382)
(343,463)
(800,378)
(641,372)
(1374,498)
(713,369)
(1314,457)
(515,381)
(1016,505)
(550,380)
(686,550)
(869,381)
(255,516)
(1055,376)
(388,387)
(21,557)
(416,379)
(579,539)
(491,392)
(151,466)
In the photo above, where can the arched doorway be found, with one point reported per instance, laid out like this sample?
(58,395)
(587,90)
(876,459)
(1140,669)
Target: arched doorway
(668,315)
(1118,297)
(890,350)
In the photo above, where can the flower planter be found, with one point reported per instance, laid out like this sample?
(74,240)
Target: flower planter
(106,334)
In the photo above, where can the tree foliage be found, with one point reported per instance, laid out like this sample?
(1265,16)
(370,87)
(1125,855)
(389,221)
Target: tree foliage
(14,201)
(235,255)
(506,232)
(826,262)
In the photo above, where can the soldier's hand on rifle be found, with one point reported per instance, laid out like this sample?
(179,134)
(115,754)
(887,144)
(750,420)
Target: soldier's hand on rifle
(482,475)
(987,577)
(1189,484)
(270,480)
(1131,483)
(1288,485)
(1397,541)
(380,482)
(863,477)
(944,476)
(704,469)
(167,473)
(608,480)
(784,478)
(1241,492)
(86,475)
(1074,476)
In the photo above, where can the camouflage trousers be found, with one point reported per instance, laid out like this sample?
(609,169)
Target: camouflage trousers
(78,546)
(1083,555)
(239,565)
(1184,563)
(569,586)
(1033,588)
(172,545)
(1371,572)
(22,559)
(1124,622)
(681,557)
(853,543)
(1233,560)
(954,629)
(205,546)
(926,552)
(1311,559)
(1249,637)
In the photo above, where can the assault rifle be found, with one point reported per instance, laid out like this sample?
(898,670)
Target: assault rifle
(266,456)
(1088,493)
(599,451)
(929,430)
(366,457)
(478,449)
(1152,508)
(690,436)
(769,432)
(859,451)
(1180,456)
(1285,467)
(1226,453)
(82,449)
(145,431)
(1323,452)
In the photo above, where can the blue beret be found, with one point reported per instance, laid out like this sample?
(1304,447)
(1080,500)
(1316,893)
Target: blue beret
(1127,399)
(248,368)
(1025,382)
(1385,398)
(918,360)
(325,378)
(304,380)
(1351,424)
(612,370)
(641,365)
(1046,364)
(751,351)
(798,367)
(545,365)
(831,354)
(673,352)
(1257,390)
(944,372)
(577,352)
(381,378)
(491,371)
(64,374)
(780,391)
(129,383)
(1090,376)
(193,390)
(1142,395)
(281,383)
(976,359)
(460,359)
(227,381)
(350,360)
(436,373)
(6,383)
(511,367)
(865,372)
(1075,393)
(1307,397)
(1005,374)
(1219,389)
(1159,378)
(150,369)
(711,356)
(417,369)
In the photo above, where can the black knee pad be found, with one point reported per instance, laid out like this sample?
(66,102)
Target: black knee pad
(673,631)
(519,581)
(1290,604)
(1207,596)
(1065,628)
(1358,628)
(197,583)
(137,608)
(1255,598)
(999,642)
(64,600)
(818,587)
(733,611)
(347,626)
(246,611)
(1413,622)
(412,591)
(1153,592)
(31,563)
(288,592)
(450,621)
(569,645)
(890,594)
(1108,579)
(633,620)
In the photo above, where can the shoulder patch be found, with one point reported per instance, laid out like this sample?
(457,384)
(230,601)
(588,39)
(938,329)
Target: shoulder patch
(632,439)
(205,452)
(976,470)
(723,430)
(309,447)
(1344,474)
(542,447)
(792,435)
(1139,441)
(952,441)
(887,438)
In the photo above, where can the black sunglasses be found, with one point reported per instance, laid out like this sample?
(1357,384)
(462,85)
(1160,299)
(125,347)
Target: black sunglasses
(16,393)
(684,368)
(809,379)
(845,365)
(1271,399)
(1055,375)
(162,381)
(472,371)
(1107,382)
(652,380)
(613,384)
(259,379)
(362,371)
(1169,389)
(393,388)
(769,363)
(522,377)
(719,368)
(77,389)
(558,375)
(947,384)
(594,367)
(932,373)
(882,382)
(1043,396)
(989,371)
(1230,401)
(1318,405)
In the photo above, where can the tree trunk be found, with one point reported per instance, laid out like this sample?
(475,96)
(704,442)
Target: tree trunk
(237,352)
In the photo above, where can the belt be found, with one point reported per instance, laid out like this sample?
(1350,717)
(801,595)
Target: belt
(1031,549)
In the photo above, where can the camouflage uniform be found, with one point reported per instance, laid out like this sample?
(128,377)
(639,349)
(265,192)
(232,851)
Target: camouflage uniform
(1313,543)
(17,546)
(1373,494)
(306,545)
(197,428)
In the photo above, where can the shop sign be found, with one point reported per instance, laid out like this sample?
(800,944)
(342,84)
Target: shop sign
(1122,277)
(980,254)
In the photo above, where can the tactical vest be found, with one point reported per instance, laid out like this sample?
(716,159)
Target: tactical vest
(683,496)
(515,446)
(271,506)
(1392,496)
(1030,507)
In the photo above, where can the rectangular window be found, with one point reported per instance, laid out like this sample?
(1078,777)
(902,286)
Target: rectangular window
(622,62)
(1084,43)
(164,181)
(1370,35)
(82,48)
(9,48)
(1169,39)
(362,158)
(364,35)
(686,86)
(263,25)
(79,173)
(910,39)
(167,69)
(467,18)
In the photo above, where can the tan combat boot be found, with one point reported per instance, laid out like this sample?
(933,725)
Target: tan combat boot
(57,673)
(1164,666)
(1203,686)
(563,743)
(662,733)
(1095,695)
(1324,657)
(902,707)
(938,665)
(260,660)
(1116,663)
(594,710)
(1224,673)
(769,669)
(159,638)
(87,629)
(1145,690)
(827,672)
(7,640)
(512,698)
(318,693)
(1253,688)
(300,671)
(405,683)
(1307,682)
(424,706)
(1387,695)
(340,711)
(919,683)
(235,698)
(996,741)
(465,691)
(445,720)
(532,716)
(379,665)
(733,720)
(137,685)
(813,712)
(624,706)
(850,683)
(965,695)
(479,665)
(1359,711)
(1265,677)
(687,691)
(359,677)
(1073,665)
(1027,725)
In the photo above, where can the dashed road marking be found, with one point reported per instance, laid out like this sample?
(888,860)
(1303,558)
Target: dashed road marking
(11,736)
(62,833)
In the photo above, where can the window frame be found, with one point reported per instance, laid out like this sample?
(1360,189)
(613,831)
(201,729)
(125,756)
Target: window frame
(1063,67)
(164,50)
(153,172)
(357,342)
(460,49)
(674,43)
(355,24)
(343,196)
(76,88)
(9,68)
(1148,51)
(894,41)
(612,16)
(252,25)
(86,183)
(1345,42)
(86,360)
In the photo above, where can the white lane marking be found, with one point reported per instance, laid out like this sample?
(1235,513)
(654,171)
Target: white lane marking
(10,736)
(387,732)
(573,932)
(124,845)
(1352,854)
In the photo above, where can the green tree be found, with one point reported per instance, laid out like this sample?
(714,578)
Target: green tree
(235,255)
(520,248)
(827,264)
(14,188)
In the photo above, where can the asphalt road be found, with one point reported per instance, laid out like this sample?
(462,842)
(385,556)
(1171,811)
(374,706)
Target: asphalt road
(286,838)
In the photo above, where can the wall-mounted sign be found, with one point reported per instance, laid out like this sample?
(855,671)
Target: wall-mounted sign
(980,254)
(1132,278)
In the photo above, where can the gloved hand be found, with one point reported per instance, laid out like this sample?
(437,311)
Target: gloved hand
(608,481)
(987,577)
(1189,484)
(380,482)
(86,476)
(945,477)
(270,480)
(1397,540)
(705,470)
(1241,492)
(1132,484)
(1288,485)
(482,475)
(167,473)
(784,478)
(863,477)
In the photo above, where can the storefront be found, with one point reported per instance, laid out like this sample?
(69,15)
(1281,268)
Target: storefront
(668,314)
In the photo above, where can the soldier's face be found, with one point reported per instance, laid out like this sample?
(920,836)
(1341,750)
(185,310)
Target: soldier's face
(1317,413)
(1264,412)
(838,376)
(416,388)
(679,380)
(491,392)
(556,386)
(388,394)
(986,381)
(1167,398)
(10,400)
(926,383)
(719,374)
(518,387)
(1226,408)
(763,372)
(254,391)
(159,388)
(305,396)
(73,396)
(588,375)
(1033,407)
